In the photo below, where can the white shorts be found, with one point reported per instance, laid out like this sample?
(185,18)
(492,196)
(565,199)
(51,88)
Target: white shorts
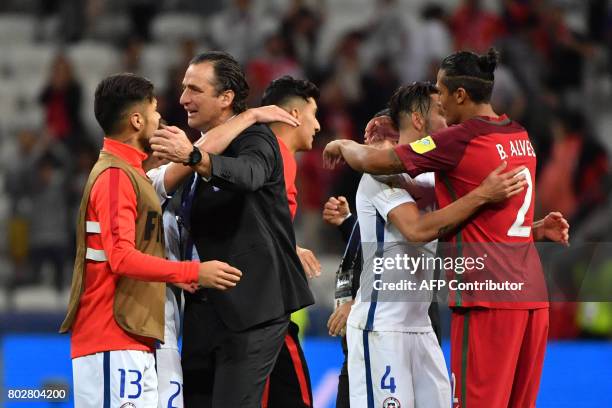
(170,378)
(169,372)
(395,369)
(172,321)
(117,379)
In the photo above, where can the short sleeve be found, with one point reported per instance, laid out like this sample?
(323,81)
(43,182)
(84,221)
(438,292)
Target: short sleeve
(384,197)
(156,176)
(441,151)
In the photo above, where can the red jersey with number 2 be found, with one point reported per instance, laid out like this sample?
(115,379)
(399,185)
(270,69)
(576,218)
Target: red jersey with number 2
(499,234)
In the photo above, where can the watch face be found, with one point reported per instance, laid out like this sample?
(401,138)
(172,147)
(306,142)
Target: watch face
(195,157)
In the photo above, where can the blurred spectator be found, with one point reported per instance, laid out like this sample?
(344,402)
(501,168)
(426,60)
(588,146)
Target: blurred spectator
(565,50)
(19,182)
(527,65)
(73,21)
(239,30)
(431,42)
(141,14)
(378,85)
(61,101)
(339,120)
(132,53)
(572,181)
(387,34)
(598,20)
(274,62)
(474,28)
(49,221)
(204,8)
(346,66)
(312,181)
(300,27)
(523,58)
(336,115)
(508,97)
(39,213)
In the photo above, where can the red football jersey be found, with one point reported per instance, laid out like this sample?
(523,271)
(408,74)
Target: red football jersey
(290,170)
(498,234)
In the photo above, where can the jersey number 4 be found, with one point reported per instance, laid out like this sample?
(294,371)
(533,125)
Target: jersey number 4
(518,229)
(391,385)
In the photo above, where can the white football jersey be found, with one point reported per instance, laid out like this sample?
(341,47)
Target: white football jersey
(377,308)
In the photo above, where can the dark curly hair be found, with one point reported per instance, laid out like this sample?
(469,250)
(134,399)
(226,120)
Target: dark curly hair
(284,88)
(415,97)
(115,94)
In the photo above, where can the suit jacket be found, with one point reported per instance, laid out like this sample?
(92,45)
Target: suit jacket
(241,216)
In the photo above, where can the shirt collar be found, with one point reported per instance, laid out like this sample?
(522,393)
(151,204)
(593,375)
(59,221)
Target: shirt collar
(501,120)
(130,154)
(282,143)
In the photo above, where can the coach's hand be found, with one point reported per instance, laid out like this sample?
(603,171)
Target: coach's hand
(337,321)
(335,211)
(500,186)
(218,275)
(272,113)
(310,263)
(171,143)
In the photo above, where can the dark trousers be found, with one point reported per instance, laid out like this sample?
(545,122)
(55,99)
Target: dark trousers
(289,383)
(342,399)
(223,368)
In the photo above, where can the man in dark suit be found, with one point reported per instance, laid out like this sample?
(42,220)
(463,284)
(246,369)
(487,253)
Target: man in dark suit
(239,214)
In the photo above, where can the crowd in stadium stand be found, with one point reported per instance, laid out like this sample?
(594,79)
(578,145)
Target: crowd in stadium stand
(555,79)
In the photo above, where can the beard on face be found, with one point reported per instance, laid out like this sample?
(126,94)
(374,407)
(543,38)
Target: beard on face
(147,147)
(147,143)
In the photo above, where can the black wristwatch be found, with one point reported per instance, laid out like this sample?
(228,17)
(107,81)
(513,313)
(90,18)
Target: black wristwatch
(194,157)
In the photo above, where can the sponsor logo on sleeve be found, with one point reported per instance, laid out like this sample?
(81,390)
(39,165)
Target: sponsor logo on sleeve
(423,145)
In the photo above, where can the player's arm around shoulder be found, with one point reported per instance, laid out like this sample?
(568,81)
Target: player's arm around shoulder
(394,204)
(496,187)
(362,158)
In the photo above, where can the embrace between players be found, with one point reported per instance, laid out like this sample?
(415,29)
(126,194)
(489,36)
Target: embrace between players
(226,230)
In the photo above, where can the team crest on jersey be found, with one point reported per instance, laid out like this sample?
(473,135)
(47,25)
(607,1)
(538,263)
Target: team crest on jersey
(423,145)
(391,403)
(128,405)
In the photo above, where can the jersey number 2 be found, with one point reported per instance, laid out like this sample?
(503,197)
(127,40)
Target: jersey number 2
(518,229)
(176,394)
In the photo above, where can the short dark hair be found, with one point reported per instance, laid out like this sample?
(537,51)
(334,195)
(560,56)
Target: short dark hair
(281,90)
(229,76)
(472,72)
(115,94)
(415,97)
